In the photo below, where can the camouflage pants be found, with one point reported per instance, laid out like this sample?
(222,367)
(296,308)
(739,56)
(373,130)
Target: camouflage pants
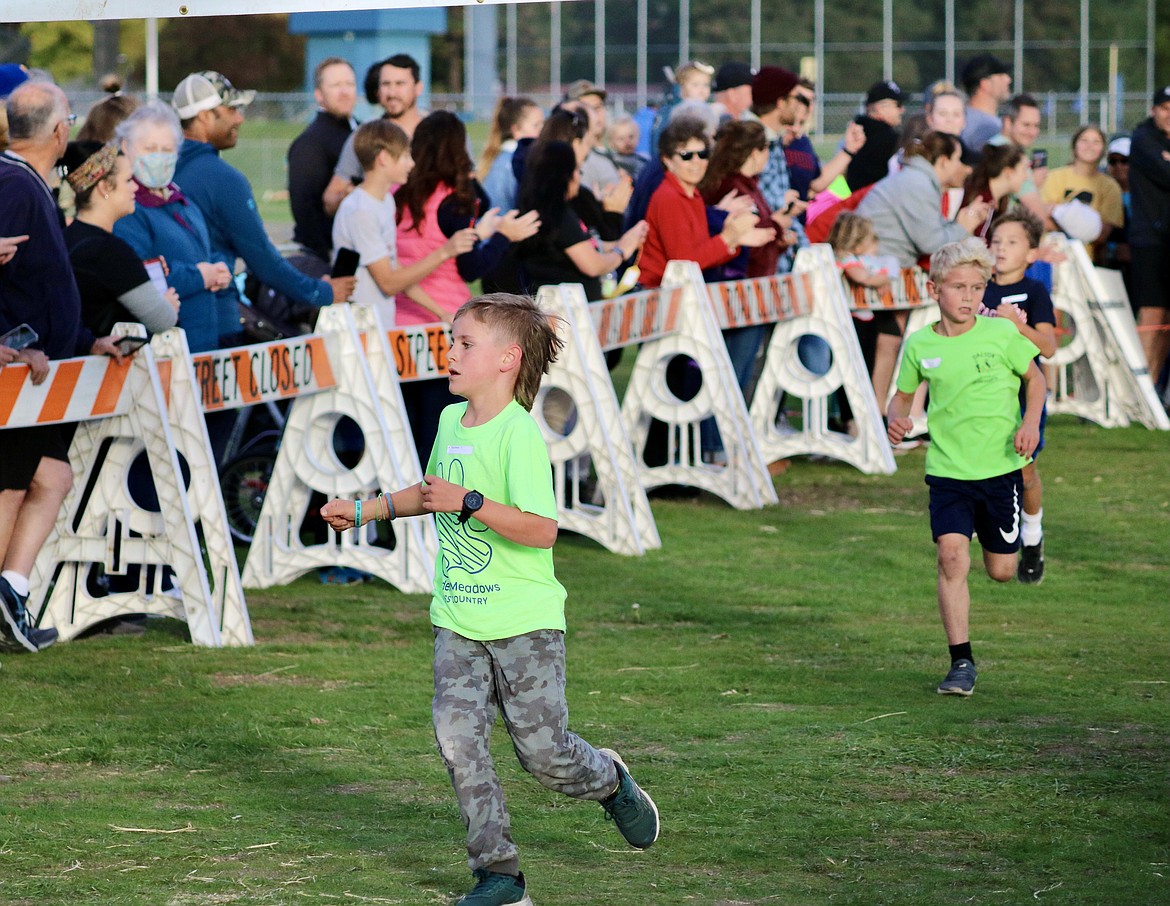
(524,679)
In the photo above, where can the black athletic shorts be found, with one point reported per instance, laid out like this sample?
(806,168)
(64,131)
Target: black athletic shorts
(1149,275)
(989,508)
(886,322)
(21,450)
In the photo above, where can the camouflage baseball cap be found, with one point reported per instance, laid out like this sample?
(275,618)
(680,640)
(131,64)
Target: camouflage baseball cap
(205,91)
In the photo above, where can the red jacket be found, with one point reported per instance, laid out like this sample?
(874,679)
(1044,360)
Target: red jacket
(678,231)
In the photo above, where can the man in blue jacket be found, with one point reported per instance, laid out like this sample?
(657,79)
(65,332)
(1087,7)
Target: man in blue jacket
(211,111)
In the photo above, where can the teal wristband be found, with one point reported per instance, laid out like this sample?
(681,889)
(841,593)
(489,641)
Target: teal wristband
(357,514)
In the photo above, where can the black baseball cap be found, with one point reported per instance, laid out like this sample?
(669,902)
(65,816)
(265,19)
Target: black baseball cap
(981,67)
(887,90)
(733,75)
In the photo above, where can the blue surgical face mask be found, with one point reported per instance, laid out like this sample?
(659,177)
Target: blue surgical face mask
(156,169)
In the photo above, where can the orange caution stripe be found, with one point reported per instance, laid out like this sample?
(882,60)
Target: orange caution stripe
(110,390)
(12,379)
(61,390)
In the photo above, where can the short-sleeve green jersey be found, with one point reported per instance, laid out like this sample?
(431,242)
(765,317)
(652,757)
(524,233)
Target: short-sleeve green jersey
(974,408)
(487,587)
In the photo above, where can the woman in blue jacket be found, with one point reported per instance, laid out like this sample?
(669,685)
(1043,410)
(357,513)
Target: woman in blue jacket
(165,224)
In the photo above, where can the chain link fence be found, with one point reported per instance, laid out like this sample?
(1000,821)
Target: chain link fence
(1061,111)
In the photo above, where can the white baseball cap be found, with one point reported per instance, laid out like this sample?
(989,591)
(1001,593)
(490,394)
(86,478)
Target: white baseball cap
(205,91)
(1120,146)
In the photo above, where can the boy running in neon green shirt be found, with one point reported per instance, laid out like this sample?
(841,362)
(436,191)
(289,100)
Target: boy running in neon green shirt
(498,609)
(974,367)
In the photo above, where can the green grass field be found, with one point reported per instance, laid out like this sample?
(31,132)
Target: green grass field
(768,675)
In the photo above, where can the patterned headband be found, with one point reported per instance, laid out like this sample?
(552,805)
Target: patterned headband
(97,167)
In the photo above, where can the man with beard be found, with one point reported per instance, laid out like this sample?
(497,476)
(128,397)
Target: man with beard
(394,84)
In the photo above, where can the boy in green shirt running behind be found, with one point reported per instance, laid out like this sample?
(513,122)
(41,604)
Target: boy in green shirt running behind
(973,367)
(498,610)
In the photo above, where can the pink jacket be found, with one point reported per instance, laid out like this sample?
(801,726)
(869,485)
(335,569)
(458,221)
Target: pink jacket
(443,284)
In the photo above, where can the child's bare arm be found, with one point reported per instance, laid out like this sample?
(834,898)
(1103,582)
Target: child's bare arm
(529,529)
(340,513)
(1035,392)
(392,280)
(898,420)
(862,276)
(419,295)
(1043,337)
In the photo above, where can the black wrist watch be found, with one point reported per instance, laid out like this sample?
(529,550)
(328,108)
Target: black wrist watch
(472,501)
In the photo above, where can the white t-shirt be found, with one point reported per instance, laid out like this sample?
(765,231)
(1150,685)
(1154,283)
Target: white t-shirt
(367,225)
(598,172)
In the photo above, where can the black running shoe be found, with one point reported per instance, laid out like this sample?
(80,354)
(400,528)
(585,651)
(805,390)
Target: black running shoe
(1030,570)
(16,632)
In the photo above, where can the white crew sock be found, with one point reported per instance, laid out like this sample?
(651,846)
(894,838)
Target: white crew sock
(18,582)
(1031,533)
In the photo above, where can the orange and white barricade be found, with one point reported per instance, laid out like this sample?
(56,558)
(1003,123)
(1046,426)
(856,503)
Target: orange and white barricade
(1100,374)
(595,474)
(123,410)
(743,481)
(578,414)
(330,380)
(808,302)
(906,292)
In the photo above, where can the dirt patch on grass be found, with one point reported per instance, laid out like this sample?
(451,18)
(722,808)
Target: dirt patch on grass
(204,899)
(1128,745)
(355,789)
(278,632)
(833,498)
(228,680)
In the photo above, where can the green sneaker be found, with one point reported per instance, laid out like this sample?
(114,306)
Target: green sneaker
(630,808)
(495,889)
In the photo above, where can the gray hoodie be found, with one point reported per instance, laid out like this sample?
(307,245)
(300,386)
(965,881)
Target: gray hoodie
(906,210)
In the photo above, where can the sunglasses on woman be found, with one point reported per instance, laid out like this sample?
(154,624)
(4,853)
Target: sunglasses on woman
(691,155)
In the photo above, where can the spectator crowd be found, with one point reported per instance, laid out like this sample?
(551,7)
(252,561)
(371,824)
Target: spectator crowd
(137,217)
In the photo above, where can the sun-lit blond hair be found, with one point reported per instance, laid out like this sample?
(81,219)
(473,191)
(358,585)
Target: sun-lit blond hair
(970,251)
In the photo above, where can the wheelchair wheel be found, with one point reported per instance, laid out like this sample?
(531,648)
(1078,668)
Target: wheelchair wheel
(244,482)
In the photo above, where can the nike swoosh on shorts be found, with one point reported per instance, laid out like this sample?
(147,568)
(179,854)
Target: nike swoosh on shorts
(1010,537)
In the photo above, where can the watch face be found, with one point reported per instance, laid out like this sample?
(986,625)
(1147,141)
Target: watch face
(472,501)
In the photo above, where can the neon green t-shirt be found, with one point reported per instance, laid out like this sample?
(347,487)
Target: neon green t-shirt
(974,408)
(487,587)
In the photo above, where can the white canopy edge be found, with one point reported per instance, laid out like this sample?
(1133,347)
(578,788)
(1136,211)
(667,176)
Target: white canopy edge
(72,10)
